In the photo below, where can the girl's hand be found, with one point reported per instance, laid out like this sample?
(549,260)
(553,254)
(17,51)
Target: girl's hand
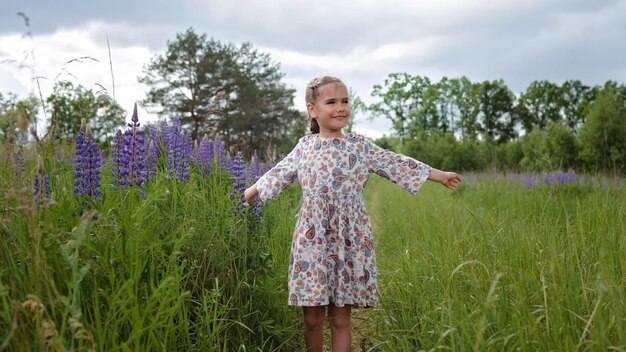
(450,180)
(249,196)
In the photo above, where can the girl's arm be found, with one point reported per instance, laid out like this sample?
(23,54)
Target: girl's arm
(448,179)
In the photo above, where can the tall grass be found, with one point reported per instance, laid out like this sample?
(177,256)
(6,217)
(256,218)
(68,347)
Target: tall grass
(495,266)
(166,267)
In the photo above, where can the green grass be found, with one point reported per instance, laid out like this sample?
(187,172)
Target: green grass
(167,267)
(494,266)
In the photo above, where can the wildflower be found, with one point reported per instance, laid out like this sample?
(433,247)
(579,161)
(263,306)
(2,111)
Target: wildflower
(222,160)
(87,164)
(134,152)
(41,183)
(237,170)
(118,159)
(253,175)
(19,166)
(179,148)
(205,155)
(151,147)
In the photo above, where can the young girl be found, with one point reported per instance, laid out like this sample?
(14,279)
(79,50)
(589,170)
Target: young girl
(332,263)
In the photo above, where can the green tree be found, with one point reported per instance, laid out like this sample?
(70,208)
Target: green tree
(70,104)
(216,88)
(495,101)
(16,115)
(575,101)
(603,145)
(402,101)
(464,94)
(561,147)
(539,105)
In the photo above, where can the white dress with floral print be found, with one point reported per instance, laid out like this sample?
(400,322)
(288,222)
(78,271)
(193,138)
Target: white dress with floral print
(332,253)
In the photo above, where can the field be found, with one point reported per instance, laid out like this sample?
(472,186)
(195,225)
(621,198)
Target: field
(172,265)
(498,266)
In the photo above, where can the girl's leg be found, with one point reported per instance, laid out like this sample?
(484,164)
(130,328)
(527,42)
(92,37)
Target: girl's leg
(339,320)
(314,328)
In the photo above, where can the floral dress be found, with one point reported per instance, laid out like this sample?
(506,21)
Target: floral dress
(332,253)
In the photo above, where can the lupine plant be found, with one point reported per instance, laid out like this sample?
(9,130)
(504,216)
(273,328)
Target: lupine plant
(41,183)
(237,170)
(205,154)
(222,159)
(87,164)
(179,147)
(254,172)
(151,147)
(133,152)
(19,166)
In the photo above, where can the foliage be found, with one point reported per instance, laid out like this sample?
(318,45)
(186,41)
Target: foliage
(167,266)
(603,145)
(465,125)
(15,117)
(70,104)
(216,88)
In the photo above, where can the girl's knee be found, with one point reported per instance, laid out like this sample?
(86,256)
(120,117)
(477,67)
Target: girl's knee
(339,323)
(314,318)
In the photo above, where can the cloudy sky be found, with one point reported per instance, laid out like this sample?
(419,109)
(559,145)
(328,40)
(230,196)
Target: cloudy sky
(361,42)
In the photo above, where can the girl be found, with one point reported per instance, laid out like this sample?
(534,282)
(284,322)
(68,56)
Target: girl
(332,263)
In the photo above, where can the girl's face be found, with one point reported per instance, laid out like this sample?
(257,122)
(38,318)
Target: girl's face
(331,108)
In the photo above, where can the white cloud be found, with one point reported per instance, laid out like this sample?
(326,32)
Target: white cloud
(360,41)
(73,55)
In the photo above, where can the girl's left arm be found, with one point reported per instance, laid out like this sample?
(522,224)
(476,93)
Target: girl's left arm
(449,179)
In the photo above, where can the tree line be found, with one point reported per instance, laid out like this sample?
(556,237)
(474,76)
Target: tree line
(237,93)
(465,125)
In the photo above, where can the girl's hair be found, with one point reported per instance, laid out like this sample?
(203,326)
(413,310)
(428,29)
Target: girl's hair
(310,95)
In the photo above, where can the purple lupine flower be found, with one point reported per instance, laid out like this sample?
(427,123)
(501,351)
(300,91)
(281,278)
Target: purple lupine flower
(253,169)
(253,175)
(237,170)
(179,149)
(571,176)
(222,160)
(118,160)
(19,166)
(133,153)
(87,165)
(41,183)
(152,153)
(205,155)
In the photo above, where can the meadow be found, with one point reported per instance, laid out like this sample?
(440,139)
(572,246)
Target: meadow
(175,264)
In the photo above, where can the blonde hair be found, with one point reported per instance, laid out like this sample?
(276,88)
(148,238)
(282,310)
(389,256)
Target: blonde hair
(310,94)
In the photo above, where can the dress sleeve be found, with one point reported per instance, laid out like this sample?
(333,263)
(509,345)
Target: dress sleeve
(273,182)
(402,170)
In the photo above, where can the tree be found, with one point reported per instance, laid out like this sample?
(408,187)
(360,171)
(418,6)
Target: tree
(15,117)
(215,88)
(603,145)
(495,101)
(70,104)
(539,105)
(575,101)
(464,95)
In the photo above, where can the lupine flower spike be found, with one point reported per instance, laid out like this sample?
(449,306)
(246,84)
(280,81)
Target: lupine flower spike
(238,171)
(87,164)
(41,183)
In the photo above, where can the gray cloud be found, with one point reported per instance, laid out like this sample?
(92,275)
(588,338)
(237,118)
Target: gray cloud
(363,41)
